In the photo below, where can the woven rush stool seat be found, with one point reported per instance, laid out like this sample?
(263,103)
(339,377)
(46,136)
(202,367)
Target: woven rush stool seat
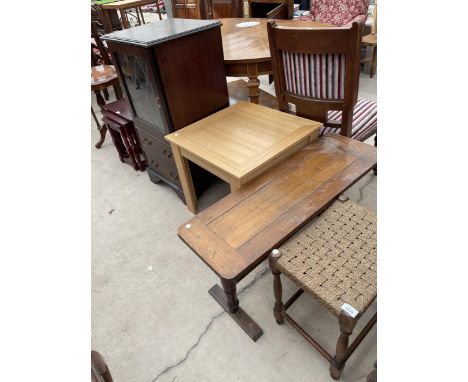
(334,259)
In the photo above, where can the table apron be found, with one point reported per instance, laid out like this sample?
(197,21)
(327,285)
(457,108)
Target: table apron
(247,69)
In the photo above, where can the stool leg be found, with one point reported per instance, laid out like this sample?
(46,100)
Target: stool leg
(229,288)
(277,287)
(347,324)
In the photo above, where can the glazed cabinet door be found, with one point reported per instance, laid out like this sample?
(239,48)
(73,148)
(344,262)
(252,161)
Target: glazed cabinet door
(143,91)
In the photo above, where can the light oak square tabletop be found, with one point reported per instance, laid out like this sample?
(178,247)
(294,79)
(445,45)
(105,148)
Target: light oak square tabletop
(238,143)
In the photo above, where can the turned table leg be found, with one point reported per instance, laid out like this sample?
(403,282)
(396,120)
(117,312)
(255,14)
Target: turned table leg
(253,83)
(229,288)
(227,298)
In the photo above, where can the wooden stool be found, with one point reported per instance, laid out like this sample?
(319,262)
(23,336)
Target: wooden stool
(102,77)
(118,119)
(334,259)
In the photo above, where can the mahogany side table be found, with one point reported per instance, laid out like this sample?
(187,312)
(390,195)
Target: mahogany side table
(118,119)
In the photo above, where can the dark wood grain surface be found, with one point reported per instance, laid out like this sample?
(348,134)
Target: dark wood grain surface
(234,235)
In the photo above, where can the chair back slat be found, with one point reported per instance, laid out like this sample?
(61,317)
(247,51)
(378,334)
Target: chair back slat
(317,69)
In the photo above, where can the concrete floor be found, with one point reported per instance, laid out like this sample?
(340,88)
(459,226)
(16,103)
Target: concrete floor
(152,317)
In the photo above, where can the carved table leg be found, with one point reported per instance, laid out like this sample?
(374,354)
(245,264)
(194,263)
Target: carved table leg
(227,298)
(106,94)
(118,90)
(253,83)
(102,129)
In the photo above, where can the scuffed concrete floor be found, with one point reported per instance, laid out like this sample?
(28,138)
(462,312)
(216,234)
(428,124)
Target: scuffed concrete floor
(162,325)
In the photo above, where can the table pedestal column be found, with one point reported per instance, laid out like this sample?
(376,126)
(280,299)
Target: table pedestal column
(254,83)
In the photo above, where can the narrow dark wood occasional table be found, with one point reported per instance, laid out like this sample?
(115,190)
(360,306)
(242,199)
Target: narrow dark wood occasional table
(247,51)
(234,235)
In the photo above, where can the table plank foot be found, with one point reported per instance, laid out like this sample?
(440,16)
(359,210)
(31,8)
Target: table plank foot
(243,320)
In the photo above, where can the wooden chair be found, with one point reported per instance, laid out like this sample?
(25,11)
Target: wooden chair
(99,370)
(333,259)
(371,40)
(338,12)
(103,75)
(317,70)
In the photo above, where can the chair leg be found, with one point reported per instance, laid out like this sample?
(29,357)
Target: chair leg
(347,324)
(375,145)
(373,62)
(277,287)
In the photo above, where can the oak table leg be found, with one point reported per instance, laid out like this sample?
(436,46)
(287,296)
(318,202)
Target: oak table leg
(227,298)
(234,184)
(185,179)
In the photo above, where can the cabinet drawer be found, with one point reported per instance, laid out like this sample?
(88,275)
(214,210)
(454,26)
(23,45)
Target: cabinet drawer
(155,146)
(164,169)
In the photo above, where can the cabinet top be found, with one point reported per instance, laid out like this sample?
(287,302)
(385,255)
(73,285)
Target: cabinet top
(160,31)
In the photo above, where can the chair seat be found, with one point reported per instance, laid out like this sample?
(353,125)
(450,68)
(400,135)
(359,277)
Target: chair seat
(334,258)
(364,120)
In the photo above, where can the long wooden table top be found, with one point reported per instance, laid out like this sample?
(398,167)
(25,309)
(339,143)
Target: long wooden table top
(235,234)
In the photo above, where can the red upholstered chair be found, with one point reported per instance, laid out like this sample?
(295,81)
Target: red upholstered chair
(338,12)
(317,70)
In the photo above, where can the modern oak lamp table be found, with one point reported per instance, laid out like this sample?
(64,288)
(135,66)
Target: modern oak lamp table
(238,143)
(234,235)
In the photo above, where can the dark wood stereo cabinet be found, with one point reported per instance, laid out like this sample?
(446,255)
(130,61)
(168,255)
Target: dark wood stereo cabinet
(172,72)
